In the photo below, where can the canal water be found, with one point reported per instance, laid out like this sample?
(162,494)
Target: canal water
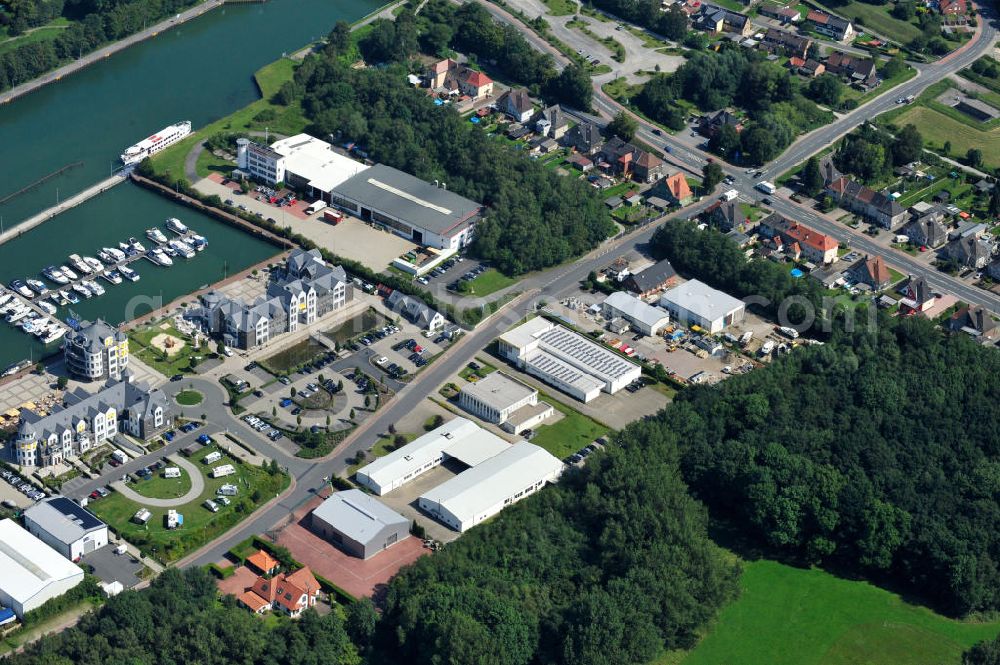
(199,71)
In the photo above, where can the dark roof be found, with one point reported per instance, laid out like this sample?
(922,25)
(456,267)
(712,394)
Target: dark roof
(75,512)
(653,276)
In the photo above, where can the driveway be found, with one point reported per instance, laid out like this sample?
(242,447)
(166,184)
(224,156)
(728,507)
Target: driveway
(197,487)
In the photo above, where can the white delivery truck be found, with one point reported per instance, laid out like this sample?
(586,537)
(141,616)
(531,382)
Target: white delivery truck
(766,187)
(729,195)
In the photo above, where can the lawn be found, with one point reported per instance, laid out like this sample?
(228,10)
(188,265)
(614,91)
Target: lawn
(289,120)
(887,84)
(256,486)
(484,369)
(937,128)
(878,19)
(295,355)
(791,616)
(159,487)
(561,7)
(189,397)
(490,281)
(570,433)
(44,33)
(180,363)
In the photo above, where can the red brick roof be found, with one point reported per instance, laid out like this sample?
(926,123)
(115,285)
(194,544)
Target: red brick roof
(806,236)
(817,17)
(478,79)
(262,561)
(678,186)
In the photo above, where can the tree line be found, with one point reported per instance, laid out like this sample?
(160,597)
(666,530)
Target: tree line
(871,153)
(95,24)
(442,28)
(534,218)
(776,108)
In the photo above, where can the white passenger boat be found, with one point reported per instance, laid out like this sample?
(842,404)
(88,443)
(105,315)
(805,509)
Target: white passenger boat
(129,274)
(55,274)
(105,258)
(182,248)
(114,253)
(198,242)
(46,307)
(95,265)
(177,226)
(5,298)
(136,245)
(72,276)
(79,264)
(167,136)
(159,257)
(38,286)
(54,335)
(70,297)
(21,288)
(58,298)
(80,288)
(113,277)
(18,313)
(156,235)
(94,287)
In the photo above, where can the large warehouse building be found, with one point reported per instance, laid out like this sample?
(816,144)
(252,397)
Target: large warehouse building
(66,527)
(503,400)
(459,439)
(642,317)
(569,361)
(428,214)
(359,524)
(696,303)
(30,571)
(302,162)
(486,489)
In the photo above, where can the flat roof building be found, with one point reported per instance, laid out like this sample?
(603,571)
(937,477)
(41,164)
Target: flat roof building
(359,524)
(459,439)
(695,302)
(33,572)
(486,489)
(569,361)
(303,162)
(427,214)
(496,396)
(69,529)
(644,318)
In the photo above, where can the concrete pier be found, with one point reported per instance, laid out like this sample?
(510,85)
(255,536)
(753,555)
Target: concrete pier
(63,206)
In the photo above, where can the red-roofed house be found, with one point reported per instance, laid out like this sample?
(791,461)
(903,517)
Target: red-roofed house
(953,7)
(475,84)
(871,271)
(674,188)
(814,246)
(451,76)
(262,562)
(290,593)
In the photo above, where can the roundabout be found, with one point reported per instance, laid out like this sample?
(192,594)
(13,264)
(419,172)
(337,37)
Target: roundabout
(189,397)
(195,486)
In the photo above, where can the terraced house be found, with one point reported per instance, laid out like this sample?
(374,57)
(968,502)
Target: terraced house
(87,420)
(305,290)
(877,207)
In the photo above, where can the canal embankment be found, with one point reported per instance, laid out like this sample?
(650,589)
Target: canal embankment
(73,201)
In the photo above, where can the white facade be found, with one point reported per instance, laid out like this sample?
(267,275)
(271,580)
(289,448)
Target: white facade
(30,571)
(569,361)
(96,351)
(697,303)
(66,527)
(460,438)
(644,318)
(300,161)
(494,397)
(484,490)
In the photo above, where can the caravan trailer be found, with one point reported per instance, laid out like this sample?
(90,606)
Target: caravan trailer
(222,471)
(213,457)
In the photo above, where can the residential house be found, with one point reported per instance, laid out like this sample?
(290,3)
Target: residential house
(782,41)
(628,161)
(437,73)
(917,296)
(552,122)
(299,294)
(784,14)
(709,126)
(953,7)
(262,562)
(832,26)
(674,188)
(415,311)
(516,103)
(288,593)
(926,227)
(717,20)
(858,71)
(813,245)
(451,77)
(725,216)
(968,251)
(657,277)
(585,138)
(871,271)
(974,320)
(984,186)
(857,198)
(812,68)
(580,162)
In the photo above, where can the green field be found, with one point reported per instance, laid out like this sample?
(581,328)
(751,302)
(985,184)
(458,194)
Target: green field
(44,33)
(490,281)
(937,128)
(570,433)
(159,487)
(167,365)
(878,19)
(189,397)
(561,7)
(791,616)
(200,526)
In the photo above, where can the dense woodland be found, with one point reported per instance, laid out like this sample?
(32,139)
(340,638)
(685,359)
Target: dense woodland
(95,23)
(876,454)
(534,217)
(775,105)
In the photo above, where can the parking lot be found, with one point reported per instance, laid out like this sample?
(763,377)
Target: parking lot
(112,567)
(402,350)
(18,491)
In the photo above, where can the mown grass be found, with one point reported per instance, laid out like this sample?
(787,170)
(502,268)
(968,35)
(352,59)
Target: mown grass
(159,487)
(561,7)
(791,616)
(570,433)
(878,19)
(489,282)
(43,33)
(937,128)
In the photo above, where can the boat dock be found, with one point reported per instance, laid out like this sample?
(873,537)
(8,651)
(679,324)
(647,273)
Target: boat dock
(69,203)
